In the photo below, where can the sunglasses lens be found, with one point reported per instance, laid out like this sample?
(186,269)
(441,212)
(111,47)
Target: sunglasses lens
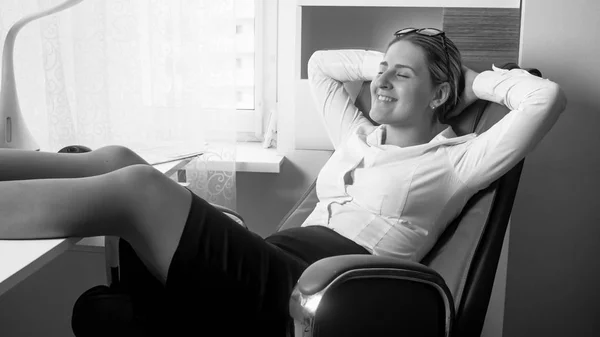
(430,32)
(405,31)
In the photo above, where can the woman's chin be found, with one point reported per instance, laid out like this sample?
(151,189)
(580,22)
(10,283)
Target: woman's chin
(377,120)
(377,116)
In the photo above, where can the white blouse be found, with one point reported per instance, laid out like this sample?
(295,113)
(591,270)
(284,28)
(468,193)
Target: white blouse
(396,201)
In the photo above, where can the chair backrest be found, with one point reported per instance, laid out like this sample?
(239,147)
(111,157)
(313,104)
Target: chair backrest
(467,253)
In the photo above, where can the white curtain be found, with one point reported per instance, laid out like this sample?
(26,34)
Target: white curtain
(147,74)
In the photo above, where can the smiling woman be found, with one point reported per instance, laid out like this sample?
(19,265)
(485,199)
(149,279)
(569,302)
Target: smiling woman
(411,174)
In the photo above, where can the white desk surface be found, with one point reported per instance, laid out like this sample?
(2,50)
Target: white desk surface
(21,258)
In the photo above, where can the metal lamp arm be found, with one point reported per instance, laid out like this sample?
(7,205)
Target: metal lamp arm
(13,129)
(9,44)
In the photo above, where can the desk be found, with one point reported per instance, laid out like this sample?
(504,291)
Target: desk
(21,258)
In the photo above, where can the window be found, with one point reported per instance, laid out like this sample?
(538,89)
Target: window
(245,50)
(254,64)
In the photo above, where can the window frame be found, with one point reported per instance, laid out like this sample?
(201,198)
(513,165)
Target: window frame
(250,122)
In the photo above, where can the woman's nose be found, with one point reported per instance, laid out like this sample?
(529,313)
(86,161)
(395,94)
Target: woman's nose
(383,82)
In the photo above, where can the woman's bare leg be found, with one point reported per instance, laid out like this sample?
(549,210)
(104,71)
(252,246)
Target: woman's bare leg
(137,203)
(24,165)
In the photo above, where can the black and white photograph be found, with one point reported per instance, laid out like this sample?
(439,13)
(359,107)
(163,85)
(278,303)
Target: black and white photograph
(299,168)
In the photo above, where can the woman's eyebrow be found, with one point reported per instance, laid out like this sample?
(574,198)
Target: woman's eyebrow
(384,63)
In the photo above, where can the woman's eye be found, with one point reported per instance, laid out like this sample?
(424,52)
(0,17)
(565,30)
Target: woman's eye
(401,75)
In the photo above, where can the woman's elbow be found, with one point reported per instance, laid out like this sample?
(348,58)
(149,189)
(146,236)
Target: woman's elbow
(314,62)
(556,97)
(316,56)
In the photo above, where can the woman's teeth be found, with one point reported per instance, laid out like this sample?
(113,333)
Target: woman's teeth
(386,99)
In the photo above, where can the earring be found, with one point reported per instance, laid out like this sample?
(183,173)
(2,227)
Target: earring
(432,106)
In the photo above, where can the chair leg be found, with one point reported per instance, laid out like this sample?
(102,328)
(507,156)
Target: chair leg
(111,251)
(101,311)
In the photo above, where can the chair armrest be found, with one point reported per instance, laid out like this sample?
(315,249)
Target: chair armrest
(354,295)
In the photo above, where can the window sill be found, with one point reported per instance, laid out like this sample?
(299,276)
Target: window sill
(249,157)
(252,157)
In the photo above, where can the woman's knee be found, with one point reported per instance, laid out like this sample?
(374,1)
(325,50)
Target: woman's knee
(138,187)
(149,190)
(114,157)
(144,180)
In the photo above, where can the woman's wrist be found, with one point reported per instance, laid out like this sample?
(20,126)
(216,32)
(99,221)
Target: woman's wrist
(469,96)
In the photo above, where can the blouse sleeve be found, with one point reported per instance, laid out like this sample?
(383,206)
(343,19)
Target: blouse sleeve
(535,105)
(327,71)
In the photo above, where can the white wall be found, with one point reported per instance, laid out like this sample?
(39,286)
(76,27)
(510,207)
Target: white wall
(553,268)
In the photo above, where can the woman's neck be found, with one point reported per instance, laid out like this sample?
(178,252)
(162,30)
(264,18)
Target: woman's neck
(405,136)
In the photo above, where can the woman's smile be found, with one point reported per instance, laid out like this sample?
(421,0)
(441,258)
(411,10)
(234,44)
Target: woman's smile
(386,99)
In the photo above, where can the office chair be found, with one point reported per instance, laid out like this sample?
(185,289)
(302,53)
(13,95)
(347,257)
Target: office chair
(445,294)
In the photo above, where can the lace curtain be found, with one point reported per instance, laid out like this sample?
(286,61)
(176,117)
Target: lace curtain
(151,75)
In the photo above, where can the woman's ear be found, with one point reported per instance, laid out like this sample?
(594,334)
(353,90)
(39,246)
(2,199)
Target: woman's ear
(441,94)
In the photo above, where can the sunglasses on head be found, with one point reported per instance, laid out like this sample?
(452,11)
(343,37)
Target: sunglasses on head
(431,32)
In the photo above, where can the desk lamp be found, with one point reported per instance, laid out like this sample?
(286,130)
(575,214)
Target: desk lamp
(14,133)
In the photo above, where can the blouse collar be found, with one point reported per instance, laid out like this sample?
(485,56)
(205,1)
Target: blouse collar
(445,137)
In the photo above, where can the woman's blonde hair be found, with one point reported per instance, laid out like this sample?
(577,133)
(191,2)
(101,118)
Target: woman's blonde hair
(443,67)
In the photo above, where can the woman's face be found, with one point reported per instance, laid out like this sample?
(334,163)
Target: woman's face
(402,89)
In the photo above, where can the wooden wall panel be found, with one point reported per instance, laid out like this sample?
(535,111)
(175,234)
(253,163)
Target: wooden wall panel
(484,36)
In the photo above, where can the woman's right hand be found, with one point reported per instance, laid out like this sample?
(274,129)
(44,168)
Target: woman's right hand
(468,96)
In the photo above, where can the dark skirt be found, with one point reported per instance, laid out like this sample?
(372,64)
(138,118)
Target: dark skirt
(229,279)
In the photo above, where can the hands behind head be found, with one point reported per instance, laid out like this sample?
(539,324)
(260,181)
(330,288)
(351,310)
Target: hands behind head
(468,96)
